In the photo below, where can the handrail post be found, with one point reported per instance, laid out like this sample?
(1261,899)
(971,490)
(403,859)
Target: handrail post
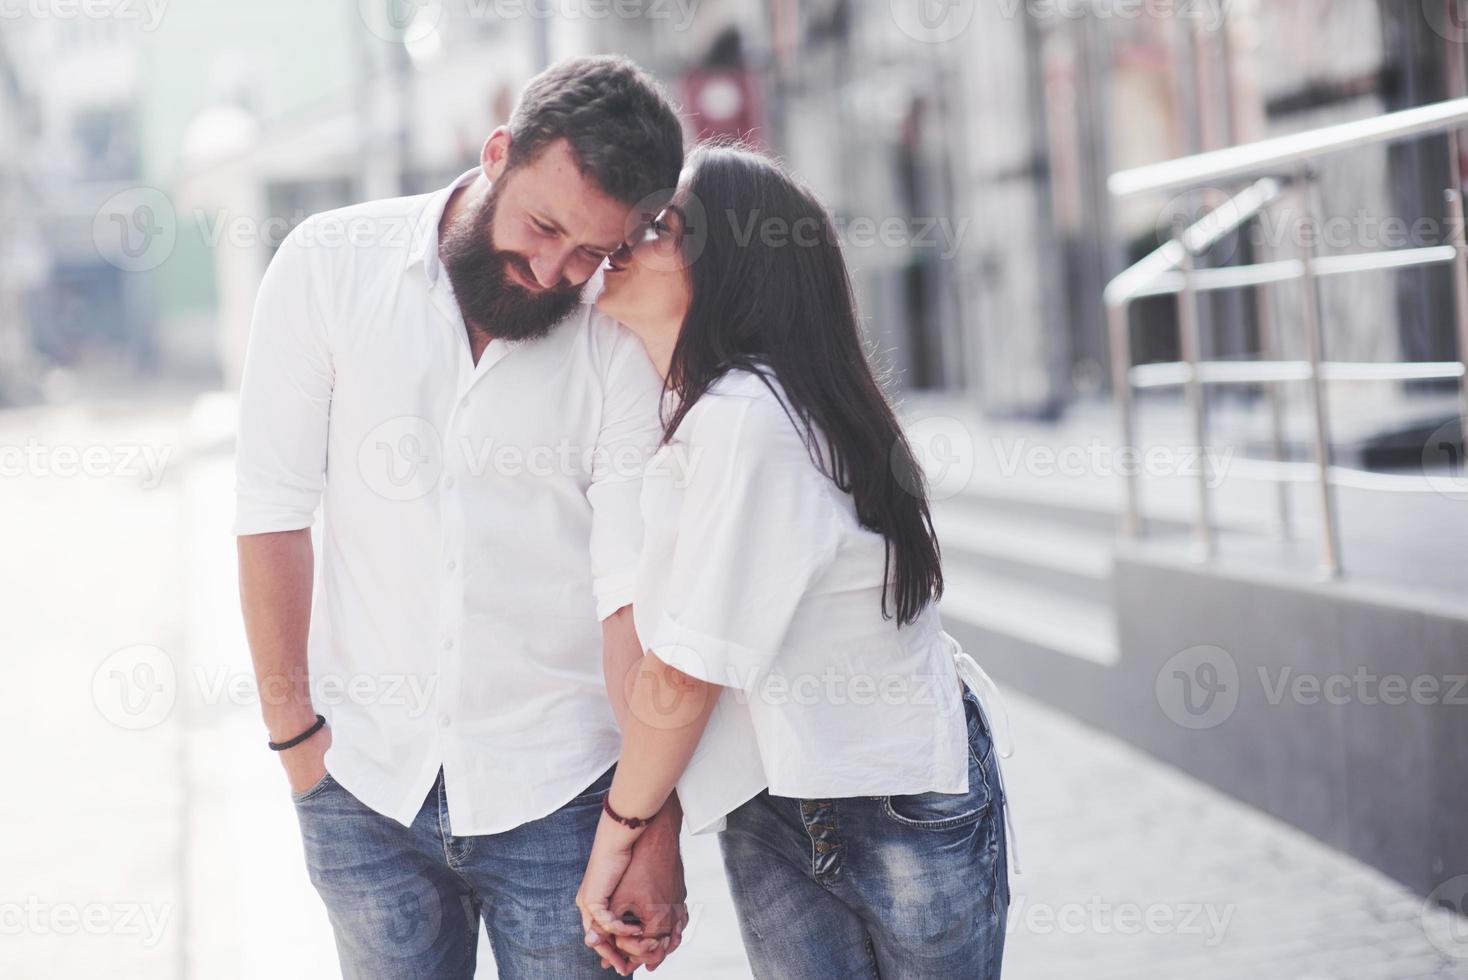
(1270,349)
(1189,341)
(1459,239)
(1330,562)
(1118,321)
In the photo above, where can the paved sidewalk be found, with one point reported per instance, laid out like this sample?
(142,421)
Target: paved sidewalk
(169,850)
(1112,840)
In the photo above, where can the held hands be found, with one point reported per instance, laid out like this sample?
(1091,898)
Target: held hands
(638,876)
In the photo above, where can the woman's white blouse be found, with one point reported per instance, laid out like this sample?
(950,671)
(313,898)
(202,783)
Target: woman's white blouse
(756,575)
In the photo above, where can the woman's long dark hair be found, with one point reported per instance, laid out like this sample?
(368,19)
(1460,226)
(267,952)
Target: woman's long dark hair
(771,294)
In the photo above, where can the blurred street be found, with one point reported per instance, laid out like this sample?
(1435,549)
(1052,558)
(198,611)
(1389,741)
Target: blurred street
(164,845)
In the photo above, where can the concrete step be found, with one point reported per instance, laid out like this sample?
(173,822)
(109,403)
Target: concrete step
(1096,505)
(1090,508)
(1071,560)
(986,609)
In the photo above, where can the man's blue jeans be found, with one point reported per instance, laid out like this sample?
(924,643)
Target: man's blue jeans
(897,887)
(405,902)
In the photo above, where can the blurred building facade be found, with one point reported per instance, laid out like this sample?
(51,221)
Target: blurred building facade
(998,141)
(965,160)
(68,105)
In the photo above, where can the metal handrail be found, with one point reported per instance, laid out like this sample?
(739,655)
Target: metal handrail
(1203,234)
(1283,154)
(1167,374)
(1292,471)
(1287,270)
(1170,270)
(1131,283)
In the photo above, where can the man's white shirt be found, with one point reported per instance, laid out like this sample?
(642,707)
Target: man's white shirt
(477,521)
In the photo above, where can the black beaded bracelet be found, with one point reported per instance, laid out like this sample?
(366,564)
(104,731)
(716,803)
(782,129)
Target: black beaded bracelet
(293,742)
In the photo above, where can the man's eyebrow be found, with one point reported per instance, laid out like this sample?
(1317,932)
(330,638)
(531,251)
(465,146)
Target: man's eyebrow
(555,225)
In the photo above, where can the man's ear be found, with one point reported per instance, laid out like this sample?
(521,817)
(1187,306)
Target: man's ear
(495,155)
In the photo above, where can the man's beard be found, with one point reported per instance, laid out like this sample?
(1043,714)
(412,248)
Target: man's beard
(490,301)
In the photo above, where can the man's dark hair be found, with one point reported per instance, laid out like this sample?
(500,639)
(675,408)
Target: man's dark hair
(623,132)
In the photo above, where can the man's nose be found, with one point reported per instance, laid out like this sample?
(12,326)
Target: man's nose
(549,267)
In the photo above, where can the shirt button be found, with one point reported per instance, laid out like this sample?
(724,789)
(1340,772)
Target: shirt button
(448,644)
(452,565)
(445,721)
(448,482)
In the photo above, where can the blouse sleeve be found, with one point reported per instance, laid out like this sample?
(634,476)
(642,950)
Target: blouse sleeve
(756,527)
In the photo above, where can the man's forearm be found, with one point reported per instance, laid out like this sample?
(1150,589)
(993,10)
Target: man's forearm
(275,595)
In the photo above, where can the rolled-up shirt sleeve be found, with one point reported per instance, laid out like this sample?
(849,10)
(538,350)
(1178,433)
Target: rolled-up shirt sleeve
(629,435)
(756,528)
(285,399)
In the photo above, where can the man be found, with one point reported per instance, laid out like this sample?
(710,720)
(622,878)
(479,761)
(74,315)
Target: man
(427,371)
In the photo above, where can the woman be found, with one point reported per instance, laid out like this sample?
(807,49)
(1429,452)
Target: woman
(798,689)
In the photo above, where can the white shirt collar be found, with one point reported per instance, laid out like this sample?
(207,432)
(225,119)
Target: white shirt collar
(424,248)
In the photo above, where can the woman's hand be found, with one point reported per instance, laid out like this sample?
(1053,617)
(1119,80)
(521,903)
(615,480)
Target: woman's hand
(611,853)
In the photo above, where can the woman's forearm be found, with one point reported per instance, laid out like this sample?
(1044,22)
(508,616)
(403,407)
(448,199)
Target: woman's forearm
(621,657)
(668,711)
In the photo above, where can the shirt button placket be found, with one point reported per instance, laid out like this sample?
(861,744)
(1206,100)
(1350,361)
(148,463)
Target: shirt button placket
(451,593)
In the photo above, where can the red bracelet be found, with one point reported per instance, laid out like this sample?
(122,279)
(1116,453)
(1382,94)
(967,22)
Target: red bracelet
(631,823)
